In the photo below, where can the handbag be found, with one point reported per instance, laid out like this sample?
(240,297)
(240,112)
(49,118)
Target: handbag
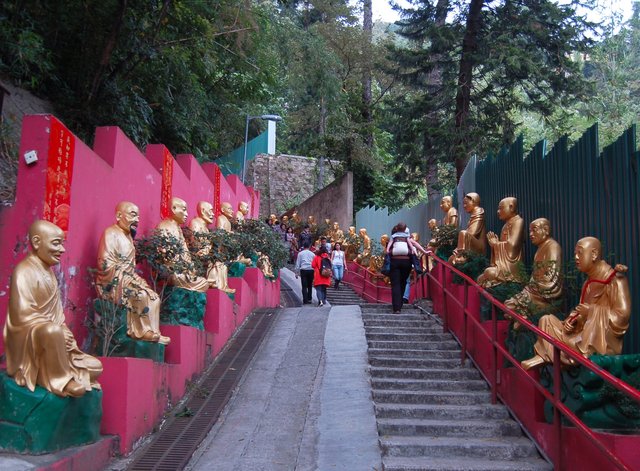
(386,265)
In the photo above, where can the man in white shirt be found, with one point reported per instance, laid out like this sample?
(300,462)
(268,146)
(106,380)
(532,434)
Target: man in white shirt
(305,272)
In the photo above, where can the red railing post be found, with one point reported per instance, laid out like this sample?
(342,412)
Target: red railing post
(464,324)
(494,355)
(557,416)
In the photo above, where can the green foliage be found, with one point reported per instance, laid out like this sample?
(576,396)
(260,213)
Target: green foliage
(473,267)
(446,238)
(256,236)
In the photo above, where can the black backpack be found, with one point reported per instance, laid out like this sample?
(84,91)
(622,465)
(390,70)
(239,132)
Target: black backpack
(325,266)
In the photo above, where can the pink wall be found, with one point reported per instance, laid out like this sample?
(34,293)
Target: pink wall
(113,171)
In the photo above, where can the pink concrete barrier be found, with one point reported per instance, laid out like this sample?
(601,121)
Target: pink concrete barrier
(245,298)
(219,318)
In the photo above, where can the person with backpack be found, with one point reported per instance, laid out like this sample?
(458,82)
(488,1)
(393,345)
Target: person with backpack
(339,264)
(400,248)
(322,274)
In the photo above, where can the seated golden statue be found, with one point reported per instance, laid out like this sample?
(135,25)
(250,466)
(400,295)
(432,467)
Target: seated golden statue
(473,237)
(224,222)
(217,273)
(171,227)
(273,220)
(363,257)
(352,244)
(264,264)
(599,322)
(118,282)
(336,234)
(545,285)
(40,348)
(241,214)
(285,220)
(506,252)
(377,261)
(451,213)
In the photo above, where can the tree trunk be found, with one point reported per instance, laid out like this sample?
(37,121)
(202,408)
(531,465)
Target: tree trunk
(367,115)
(465,83)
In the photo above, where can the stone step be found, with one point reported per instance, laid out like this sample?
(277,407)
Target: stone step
(392,323)
(399,345)
(505,448)
(452,375)
(414,354)
(449,428)
(393,463)
(429,397)
(441,411)
(385,329)
(431,360)
(406,315)
(408,337)
(420,384)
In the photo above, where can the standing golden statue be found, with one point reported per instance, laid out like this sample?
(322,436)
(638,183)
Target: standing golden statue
(40,348)
(352,243)
(118,282)
(473,238)
(545,285)
(242,213)
(363,257)
(507,251)
(377,261)
(450,213)
(188,279)
(217,273)
(599,322)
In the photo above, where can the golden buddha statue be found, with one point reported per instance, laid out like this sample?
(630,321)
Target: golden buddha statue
(273,220)
(336,234)
(40,349)
(545,285)
(217,273)
(295,217)
(351,244)
(285,220)
(377,261)
(243,211)
(171,227)
(451,213)
(118,282)
(599,322)
(363,257)
(422,256)
(507,251)
(264,264)
(473,237)
(224,222)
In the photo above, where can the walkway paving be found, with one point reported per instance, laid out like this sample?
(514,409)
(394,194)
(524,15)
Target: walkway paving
(305,403)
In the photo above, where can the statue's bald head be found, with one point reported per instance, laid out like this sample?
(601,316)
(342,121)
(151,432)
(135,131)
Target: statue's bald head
(432,224)
(128,217)
(124,206)
(179,210)
(588,253)
(591,243)
(205,211)
(542,223)
(473,198)
(46,241)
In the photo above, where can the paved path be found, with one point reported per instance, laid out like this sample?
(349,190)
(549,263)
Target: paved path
(304,404)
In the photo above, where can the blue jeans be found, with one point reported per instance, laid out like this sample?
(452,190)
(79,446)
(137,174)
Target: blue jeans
(338,271)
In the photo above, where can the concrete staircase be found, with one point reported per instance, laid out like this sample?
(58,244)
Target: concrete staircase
(433,413)
(342,296)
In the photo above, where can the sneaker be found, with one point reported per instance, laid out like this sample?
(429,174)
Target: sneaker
(405,300)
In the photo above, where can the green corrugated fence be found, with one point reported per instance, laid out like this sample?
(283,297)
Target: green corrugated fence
(232,162)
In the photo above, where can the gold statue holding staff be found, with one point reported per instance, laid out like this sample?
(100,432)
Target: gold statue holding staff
(599,322)
(40,348)
(507,251)
(118,282)
(217,273)
(171,227)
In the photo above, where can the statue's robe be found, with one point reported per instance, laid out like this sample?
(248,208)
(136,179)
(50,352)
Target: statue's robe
(40,348)
(451,218)
(545,284)
(217,273)
(506,254)
(607,319)
(186,280)
(117,281)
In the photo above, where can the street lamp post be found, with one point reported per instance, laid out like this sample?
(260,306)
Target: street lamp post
(268,117)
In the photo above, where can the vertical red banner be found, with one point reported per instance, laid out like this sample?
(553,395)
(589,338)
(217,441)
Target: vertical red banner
(253,200)
(167,179)
(59,174)
(216,190)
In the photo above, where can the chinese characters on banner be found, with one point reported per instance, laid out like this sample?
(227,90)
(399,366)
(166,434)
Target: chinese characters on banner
(59,172)
(167,178)
(216,191)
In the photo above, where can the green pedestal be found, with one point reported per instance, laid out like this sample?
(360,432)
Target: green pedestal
(595,402)
(183,307)
(121,345)
(40,422)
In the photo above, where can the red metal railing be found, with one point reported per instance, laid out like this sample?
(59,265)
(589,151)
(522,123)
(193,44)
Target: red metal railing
(367,285)
(429,284)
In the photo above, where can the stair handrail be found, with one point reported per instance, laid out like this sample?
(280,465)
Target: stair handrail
(558,347)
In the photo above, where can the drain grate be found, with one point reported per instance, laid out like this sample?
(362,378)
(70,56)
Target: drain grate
(174,445)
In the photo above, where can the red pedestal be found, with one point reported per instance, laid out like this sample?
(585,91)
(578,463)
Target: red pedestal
(245,298)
